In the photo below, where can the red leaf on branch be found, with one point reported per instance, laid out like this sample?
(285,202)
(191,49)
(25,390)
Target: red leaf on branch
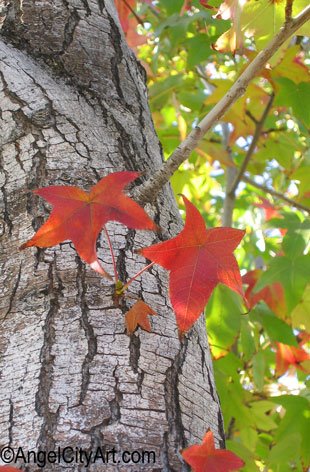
(198,259)
(205,458)
(79,216)
(138,316)
(273,295)
(287,356)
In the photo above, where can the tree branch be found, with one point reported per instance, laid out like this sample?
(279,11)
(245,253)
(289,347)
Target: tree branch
(288,10)
(148,191)
(276,194)
(258,130)
(231,172)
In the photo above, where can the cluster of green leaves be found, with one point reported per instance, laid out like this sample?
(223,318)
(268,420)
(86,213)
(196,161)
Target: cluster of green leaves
(192,58)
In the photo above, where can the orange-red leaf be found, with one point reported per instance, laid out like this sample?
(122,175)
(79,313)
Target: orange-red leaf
(270,210)
(273,295)
(205,458)
(8,468)
(287,356)
(138,316)
(79,216)
(129,22)
(198,259)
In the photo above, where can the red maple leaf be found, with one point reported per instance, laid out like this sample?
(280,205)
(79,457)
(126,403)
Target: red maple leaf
(287,356)
(138,316)
(129,21)
(79,216)
(273,295)
(270,210)
(205,458)
(8,468)
(198,259)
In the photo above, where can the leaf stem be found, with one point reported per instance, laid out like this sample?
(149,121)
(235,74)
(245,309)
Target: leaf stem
(136,276)
(112,254)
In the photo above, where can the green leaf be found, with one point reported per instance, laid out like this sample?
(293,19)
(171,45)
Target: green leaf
(223,313)
(265,18)
(242,451)
(296,420)
(285,452)
(282,148)
(293,274)
(293,244)
(161,91)
(198,49)
(259,367)
(247,339)
(261,414)
(300,314)
(171,7)
(295,96)
(276,329)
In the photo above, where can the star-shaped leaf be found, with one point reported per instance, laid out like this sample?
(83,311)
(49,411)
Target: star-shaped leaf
(287,356)
(198,259)
(205,458)
(138,316)
(79,216)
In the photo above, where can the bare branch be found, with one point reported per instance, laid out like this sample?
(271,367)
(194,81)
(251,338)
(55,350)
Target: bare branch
(148,191)
(258,131)
(276,194)
(288,10)
(231,172)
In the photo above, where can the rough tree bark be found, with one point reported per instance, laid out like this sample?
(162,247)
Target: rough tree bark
(73,109)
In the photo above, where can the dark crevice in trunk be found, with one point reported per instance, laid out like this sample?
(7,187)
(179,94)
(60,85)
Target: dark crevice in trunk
(87,327)
(116,402)
(11,422)
(221,429)
(69,30)
(117,58)
(50,418)
(13,293)
(176,437)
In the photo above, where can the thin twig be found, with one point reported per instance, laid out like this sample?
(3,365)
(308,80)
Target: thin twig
(252,117)
(276,194)
(275,130)
(258,131)
(148,191)
(231,172)
(137,275)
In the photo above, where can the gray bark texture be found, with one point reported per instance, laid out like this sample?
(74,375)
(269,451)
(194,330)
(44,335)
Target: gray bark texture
(74,108)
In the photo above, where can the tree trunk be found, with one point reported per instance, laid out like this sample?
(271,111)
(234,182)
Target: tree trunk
(73,109)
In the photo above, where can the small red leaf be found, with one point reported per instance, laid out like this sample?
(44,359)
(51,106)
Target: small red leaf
(273,295)
(205,458)
(287,356)
(198,259)
(138,316)
(79,216)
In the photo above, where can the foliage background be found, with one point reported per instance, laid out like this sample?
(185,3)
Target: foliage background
(193,51)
